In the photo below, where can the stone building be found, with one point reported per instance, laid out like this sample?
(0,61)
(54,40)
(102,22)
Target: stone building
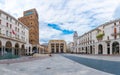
(14,36)
(70,47)
(57,46)
(30,19)
(104,39)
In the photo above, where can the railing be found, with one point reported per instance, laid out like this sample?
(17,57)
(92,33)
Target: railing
(113,34)
(11,38)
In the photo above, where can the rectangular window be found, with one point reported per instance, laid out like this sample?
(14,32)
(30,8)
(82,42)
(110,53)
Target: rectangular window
(115,32)
(6,24)
(0,30)
(10,19)
(6,33)
(6,17)
(10,34)
(10,26)
(0,21)
(18,29)
(107,37)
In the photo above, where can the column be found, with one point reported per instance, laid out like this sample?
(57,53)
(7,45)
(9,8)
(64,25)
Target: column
(59,48)
(2,50)
(13,50)
(54,48)
(110,48)
(19,52)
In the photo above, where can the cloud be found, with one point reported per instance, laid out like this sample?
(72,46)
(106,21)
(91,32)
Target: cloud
(67,15)
(117,12)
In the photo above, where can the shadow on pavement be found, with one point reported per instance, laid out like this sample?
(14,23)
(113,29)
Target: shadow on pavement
(112,67)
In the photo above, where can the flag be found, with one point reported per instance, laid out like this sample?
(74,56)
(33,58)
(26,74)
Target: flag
(13,32)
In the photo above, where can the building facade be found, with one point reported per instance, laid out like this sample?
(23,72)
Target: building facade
(30,19)
(70,47)
(14,35)
(104,39)
(57,46)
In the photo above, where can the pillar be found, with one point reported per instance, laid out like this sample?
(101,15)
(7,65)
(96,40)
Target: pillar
(59,48)
(2,50)
(54,48)
(13,49)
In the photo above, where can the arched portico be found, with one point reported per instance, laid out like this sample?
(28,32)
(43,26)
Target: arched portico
(17,49)
(34,49)
(100,49)
(115,48)
(8,47)
(22,52)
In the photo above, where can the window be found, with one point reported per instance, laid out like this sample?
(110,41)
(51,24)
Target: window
(107,37)
(10,34)
(18,29)
(15,22)
(7,33)
(0,30)
(6,24)
(115,31)
(0,21)
(15,28)
(10,19)
(6,17)
(10,26)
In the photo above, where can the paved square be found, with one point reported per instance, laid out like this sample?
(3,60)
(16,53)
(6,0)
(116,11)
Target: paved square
(55,65)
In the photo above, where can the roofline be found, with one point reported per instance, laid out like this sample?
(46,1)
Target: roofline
(105,24)
(13,18)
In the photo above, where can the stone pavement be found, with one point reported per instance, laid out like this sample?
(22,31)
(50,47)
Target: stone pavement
(55,65)
(23,59)
(101,57)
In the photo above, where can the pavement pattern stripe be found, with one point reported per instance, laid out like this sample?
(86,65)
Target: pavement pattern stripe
(112,67)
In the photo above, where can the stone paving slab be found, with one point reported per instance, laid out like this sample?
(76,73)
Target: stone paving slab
(23,59)
(55,65)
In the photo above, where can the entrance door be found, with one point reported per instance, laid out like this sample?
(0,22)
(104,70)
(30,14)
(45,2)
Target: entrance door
(108,50)
(100,49)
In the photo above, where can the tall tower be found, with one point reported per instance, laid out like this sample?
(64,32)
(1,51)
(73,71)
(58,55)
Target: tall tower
(75,36)
(30,19)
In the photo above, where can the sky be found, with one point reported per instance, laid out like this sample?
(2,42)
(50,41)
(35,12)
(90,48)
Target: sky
(58,19)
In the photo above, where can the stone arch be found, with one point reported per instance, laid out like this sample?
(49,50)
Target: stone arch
(16,52)
(34,49)
(8,47)
(115,48)
(100,49)
(23,49)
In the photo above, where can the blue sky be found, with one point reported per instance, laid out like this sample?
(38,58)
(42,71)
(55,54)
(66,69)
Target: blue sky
(58,19)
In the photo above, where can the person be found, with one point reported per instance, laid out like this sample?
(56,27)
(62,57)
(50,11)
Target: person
(50,55)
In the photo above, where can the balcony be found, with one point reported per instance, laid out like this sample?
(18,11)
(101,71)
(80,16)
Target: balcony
(11,38)
(100,36)
(113,34)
